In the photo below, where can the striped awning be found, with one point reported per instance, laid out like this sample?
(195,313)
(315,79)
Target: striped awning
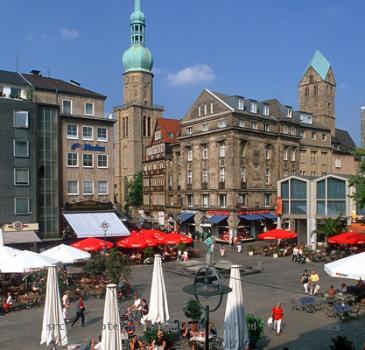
(89,224)
(18,237)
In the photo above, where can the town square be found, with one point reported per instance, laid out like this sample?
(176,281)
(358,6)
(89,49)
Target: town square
(182,175)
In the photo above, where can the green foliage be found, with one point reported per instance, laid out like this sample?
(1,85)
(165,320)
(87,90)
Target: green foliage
(148,252)
(251,248)
(193,310)
(341,343)
(181,247)
(115,265)
(329,227)
(151,334)
(358,181)
(96,264)
(135,191)
(255,327)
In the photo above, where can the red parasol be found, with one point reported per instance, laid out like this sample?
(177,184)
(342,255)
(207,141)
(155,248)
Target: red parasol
(277,234)
(92,244)
(348,238)
(137,241)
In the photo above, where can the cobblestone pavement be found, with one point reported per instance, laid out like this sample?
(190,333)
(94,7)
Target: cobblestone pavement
(279,282)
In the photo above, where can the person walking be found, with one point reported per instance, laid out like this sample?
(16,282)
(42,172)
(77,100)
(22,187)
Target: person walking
(294,257)
(305,280)
(314,282)
(65,306)
(80,310)
(239,247)
(300,257)
(277,316)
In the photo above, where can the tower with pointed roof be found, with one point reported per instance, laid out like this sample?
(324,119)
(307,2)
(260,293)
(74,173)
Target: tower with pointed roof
(317,91)
(136,117)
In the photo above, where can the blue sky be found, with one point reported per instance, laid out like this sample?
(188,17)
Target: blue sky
(258,49)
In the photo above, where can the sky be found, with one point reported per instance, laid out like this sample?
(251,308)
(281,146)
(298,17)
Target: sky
(258,49)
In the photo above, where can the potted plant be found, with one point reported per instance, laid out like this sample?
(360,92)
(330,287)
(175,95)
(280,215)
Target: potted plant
(255,327)
(193,311)
(251,249)
(341,343)
(276,252)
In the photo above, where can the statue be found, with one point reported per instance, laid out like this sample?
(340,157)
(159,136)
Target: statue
(209,242)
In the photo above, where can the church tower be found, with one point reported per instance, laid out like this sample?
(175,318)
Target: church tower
(136,117)
(317,91)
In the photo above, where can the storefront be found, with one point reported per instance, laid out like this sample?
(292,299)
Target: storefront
(20,235)
(186,223)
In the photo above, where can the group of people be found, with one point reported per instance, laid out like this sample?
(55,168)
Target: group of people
(298,255)
(310,282)
(80,309)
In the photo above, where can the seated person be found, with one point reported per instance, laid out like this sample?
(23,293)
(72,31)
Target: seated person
(159,342)
(130,328)
(98,345)
(360,284)
(343,288)
(8,303)
(331,291)
(185,331)
(135,343)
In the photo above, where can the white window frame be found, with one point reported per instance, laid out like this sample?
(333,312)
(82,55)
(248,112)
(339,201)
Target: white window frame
(205,127)
(25,184)
(205,200)
(205,152)
(211,107)
(222,174)
(222,150)
(77,160)
(93,105)
(77,187)
(338,162)
(266,110)
(83,188)
(314,135)
(324,137)
(97,161)
(72,137)
(29,206)
(267,199)
(189,130)
(27,120)
(190,196)
(92,157)
(222,195)
(107,188)
(63,109)
(205,109)
(289,113)
(285,130)
(267,176)
(199,111)
(254,125)
(253,107)
(92,133)
(14,143)
(243,174)
(293,155)
(267,127)
(190,155)
(189,177)
(222,123)
(302,156)
(241,123)
(286,154)
(205,176)
(267,152)
(102,139)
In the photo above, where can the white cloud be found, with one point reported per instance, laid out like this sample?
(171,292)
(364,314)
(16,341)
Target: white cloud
(191,75)
(69,33)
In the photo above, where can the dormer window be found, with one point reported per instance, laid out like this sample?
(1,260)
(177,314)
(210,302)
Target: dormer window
(306,118)
(253,107)
(289,113)
(158,135)
(241,104)
(266,110)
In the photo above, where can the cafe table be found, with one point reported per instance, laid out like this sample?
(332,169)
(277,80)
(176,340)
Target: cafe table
(342,310)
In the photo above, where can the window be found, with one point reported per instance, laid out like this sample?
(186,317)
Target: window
(293,152)
(189,177)
(243,174)
(211,107)
(22,206)
(285,129)
(266,110)
(102,160)
(222,200)
(267,199)
(205,127)
(241,123)
(72,188)
(285,173)
(189,130)
(190,200)
(199,111)
(267,176)
(87,133)
(157,135)
(242,199)
(21,149)
(222,150)
(205,152)
(314,136)
(253,107)
(302,156)
(294,131)
(302,134)
(21,177)
(102,187)
(305,118)
(190,155)
(306,91)
(338,163)
(222,174)
(286,152)
(89,108)
(102,134)
(254,125)
(267,152)
(72,159)
(88,187)
(289,113)
(241,104)
(21,119)
(315,90)
(222,123)
(324,157)
(324,137)
(205,200)
(205,176)
(72,131)
(313,157)
(67,107)
(205,109)
(87,160)
(266,127)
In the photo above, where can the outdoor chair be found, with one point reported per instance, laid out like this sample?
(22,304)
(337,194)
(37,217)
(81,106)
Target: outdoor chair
(318,306)
(330,312)
(295,306)
(355,311)
(216,344)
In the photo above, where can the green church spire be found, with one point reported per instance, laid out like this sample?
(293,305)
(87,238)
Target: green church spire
(137,57)
(320,64)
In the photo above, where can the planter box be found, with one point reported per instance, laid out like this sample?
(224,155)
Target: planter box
(275,256)
(250,253)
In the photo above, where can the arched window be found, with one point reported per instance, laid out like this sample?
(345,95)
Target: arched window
(126,126)
(306,93)
(144,126)
(123,127)
(149,126)
(315,89)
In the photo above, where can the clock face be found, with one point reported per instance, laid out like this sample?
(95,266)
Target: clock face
(126,80)
(146,80)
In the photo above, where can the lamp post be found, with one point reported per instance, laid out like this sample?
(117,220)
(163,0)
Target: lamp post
(207,284)
(104,226)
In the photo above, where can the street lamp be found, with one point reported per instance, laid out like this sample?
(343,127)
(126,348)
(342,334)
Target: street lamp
(207,284)
(104,226)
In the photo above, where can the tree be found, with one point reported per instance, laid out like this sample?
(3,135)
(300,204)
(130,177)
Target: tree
(341,343)
(193,310)
(255,327)
(115,265)
(135,191)
(329,227)
(358,181)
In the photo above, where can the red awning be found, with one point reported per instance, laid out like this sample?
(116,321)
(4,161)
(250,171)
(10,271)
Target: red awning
(137,241)
(348,238)
(277,234)
(92,244)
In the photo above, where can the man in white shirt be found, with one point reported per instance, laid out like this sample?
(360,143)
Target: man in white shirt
(65,306)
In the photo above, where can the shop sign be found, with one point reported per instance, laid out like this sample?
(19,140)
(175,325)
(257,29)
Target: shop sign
(254,212)
(279,206)
(89,205)
(88,147)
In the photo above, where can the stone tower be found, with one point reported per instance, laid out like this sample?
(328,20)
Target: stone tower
(317,91)
(136,117)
